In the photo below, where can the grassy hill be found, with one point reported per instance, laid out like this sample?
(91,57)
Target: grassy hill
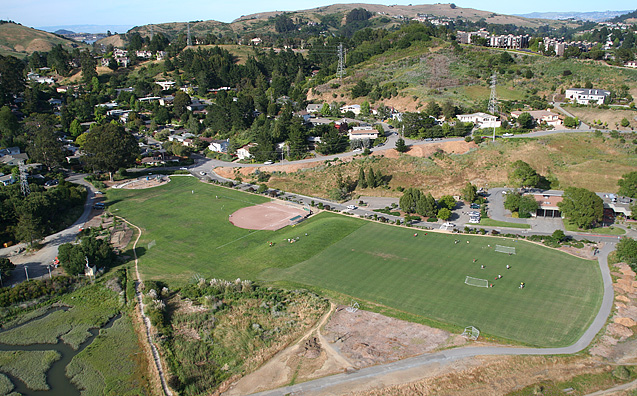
(19,41)
(575,160)
(385,16)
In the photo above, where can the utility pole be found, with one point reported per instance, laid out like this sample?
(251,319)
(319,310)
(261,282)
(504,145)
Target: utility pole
(151,33)
(340,72)
(493,101)
(26,272)
(24,183)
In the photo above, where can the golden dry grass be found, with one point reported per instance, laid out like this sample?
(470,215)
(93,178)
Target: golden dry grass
(579,160)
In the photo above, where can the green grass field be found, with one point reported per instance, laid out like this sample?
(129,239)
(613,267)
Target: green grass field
(485,221)
(382,264)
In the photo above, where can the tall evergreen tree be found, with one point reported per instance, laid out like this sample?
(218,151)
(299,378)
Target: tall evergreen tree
(362,182)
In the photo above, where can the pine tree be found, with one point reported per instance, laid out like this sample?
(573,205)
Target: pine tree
(371,178)
(362,183)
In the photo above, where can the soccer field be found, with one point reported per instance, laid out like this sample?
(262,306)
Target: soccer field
(188,233)
(425,275)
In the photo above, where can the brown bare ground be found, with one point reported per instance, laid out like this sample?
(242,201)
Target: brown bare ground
(489,376)
(611,116)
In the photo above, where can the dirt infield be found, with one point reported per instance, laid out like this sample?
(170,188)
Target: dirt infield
(267,216)
(143,182)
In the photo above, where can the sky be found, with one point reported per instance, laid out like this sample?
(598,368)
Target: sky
(39,13)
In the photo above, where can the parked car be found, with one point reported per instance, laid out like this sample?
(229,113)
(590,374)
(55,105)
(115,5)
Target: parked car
(53,182)
(202,173)
(474,206)
(507,134)
(99,205)
(351,207)
(268,163)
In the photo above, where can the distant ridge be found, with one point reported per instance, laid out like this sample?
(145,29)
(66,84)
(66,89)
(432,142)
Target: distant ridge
(87,28)
(594,16)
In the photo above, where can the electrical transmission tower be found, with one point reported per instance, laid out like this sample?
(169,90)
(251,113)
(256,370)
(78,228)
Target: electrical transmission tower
(151,33)
(340,72)
(493,101)
(188,40)
(24,184)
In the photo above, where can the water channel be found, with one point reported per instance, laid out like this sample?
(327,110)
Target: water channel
(56,378)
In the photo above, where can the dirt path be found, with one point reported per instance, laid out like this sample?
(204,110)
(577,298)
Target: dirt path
(279,372)
(147,326)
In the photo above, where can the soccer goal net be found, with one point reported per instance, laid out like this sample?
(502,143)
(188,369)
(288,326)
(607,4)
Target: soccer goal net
(471,281)
(471,333)
(505,249)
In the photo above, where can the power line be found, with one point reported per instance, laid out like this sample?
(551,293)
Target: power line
(493,100)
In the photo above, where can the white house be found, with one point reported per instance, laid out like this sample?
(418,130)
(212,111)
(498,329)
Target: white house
(144,54)
(165,85)
(244,152)
(181,138)
(539,116)
(587,96)
(219,146)
(366,132)
(161,55)
(314,107)
(481,120)
(356,109)
(256,41)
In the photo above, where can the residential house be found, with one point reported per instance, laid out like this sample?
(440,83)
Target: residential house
(256,41)
(313,141)
(180,137)
(303,114)
(165,85)
(144,54)
(314,108)
(481,120)
(632,64)
(587,96)
(364,132)
(219,146)
(14,159)
(161,55)
(108,105)
(9,151)
(166,100)
(5,180)
(149,99)
(244,152)
(356,109)
(195,105)
(540,116)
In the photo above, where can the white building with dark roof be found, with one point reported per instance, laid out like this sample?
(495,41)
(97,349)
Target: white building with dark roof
(587,96)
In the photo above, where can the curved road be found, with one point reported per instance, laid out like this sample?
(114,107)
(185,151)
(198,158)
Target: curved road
(37,263)
(331,384)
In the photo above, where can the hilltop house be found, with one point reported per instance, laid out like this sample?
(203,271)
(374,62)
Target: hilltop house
(219,146)
(244,152)
(356,109)
(481,120)
(539,116)
(363,132)
(587,96)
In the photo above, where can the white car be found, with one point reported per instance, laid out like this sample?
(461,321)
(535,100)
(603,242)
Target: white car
(351,207)
(507,134)
(268,163)
(202,173)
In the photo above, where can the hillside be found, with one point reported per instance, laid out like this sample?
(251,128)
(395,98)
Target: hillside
(259,23)
(19,41)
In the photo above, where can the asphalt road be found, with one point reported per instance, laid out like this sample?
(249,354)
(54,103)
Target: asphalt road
(331,384)
(37,263)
